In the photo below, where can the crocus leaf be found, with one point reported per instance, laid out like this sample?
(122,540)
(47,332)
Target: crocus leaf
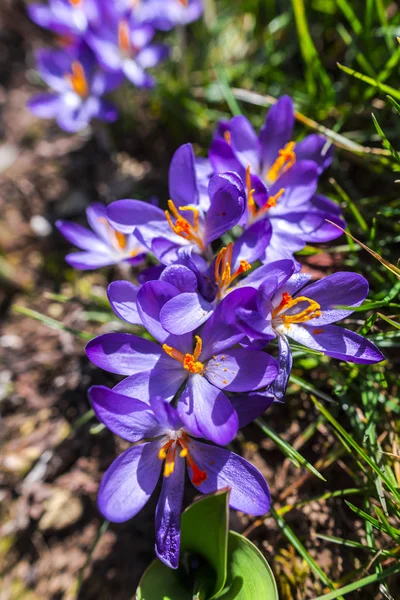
(205,531)
(249,574)
(159,582)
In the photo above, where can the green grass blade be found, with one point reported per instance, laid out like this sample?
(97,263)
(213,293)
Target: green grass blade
(356,585)
(387,89)
(52,323)
(287,449)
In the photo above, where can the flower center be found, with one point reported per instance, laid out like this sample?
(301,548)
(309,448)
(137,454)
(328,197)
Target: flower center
(257,211)
(124,42)
(286,159)
(190,361)
(312,311)
(222,270)
(75,2)
(182,226)
(228,137)
(168,453)
(118,240)
(77,79)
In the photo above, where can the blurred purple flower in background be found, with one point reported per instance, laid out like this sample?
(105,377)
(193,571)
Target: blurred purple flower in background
(66,17)
(101,247)
(77,85)
(131,479)
(122,45)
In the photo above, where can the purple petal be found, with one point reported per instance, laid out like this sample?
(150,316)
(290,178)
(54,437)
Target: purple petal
(136,74)
(152,55)
(277,131)
(123,353)
(285,360)
(168,515)
(81,237)
(316,148)
(299,183)
(337,342)
(203,406)
(167,415)
(163,380)
(276,274)
(126,215)
(44,106)
(252,243)
(104,82)
(221,330)
(241,370)
(127,417)
(250,406)
(248,489)
(185,313)
(182,177)
(245,143)
(86,261)
(227,205)
(41,15)
(256,325)
(122,297)
(151,298)
(349,289)
(223,158)
(129,482)
(181,277)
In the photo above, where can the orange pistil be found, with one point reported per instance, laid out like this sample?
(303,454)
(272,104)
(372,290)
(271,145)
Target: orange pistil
(255,211)
(190,361)
(222,270)
(312,311)
(77,79)
(124,41)
(227,136)
(182,226)
(286,159)
(168,453)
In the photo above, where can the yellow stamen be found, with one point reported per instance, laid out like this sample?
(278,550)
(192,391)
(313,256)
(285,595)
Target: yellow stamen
(169,465)
(182,226)
(222,270)
(189,361)
(286,159)
(312,311)
(77,79)
(124,41)
(255,211)
(228,137)
(168,453)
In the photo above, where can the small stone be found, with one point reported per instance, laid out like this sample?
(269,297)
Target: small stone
(40,226)
(62,509)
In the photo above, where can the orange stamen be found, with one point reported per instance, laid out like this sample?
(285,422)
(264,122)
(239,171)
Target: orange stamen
(228,137)
(286,159)
(169,465)
(124,41)
(312,311)
(117,239)
(184,3)
(75,2)
(190,362)
(254,211)
(222,269)
(77,79)
(182,226)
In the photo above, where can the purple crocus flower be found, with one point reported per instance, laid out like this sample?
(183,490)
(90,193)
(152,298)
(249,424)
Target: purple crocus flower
(103,245)
(122,45)
(131,479)
(206,362)
(66,17)
(193,219)
(78,85)
(288,307)
(166,14)
(281,178)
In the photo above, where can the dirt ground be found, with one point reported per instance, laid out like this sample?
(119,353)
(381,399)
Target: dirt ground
(51,461)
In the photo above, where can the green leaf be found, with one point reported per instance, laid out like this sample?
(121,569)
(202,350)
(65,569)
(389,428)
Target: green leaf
(370,81)
(249,574)
(205,531)
(159,582)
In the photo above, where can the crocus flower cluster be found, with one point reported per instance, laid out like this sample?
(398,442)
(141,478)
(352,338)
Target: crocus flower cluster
(217,313)
(102,42)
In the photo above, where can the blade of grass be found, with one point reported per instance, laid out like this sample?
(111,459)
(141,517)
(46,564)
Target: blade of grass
(356,585)
(387,89)
(287,449)
(52,323)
